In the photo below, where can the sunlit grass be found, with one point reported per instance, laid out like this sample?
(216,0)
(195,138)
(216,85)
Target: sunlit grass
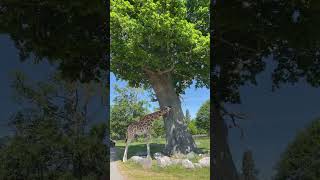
(135,171)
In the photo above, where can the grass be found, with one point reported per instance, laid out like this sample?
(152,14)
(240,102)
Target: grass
(136,172)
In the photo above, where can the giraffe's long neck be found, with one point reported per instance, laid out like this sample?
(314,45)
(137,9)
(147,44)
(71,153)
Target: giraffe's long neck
(155,115)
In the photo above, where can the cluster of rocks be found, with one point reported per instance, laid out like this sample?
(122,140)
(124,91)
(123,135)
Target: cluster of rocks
(177,159)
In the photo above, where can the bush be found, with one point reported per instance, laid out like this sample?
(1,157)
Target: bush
(301,160)
(203,118)
(193,128)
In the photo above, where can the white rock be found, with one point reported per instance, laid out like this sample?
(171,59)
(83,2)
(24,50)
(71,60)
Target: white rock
(197,165)
(205,162)
(191,155)
(163,161)
(186,163)
(176,161)
(178,155)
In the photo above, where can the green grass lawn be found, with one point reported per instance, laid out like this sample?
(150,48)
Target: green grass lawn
(134,171)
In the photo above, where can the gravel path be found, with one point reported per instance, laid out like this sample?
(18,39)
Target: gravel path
(114,171)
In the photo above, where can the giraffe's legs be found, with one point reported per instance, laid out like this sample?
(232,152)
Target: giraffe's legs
(148,138)
(124,159)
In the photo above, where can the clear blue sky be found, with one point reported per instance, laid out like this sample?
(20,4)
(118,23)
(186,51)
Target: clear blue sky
(191,100)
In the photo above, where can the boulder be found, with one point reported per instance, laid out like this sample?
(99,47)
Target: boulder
(178,156)
(164,161)
(186,163)
(197,165)
(176,161)
(205,162)
(191,155)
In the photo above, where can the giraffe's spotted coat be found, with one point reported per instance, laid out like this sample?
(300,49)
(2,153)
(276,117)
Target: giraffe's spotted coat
(143,127)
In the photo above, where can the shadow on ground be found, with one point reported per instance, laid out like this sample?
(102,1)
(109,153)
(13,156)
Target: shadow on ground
(138,148)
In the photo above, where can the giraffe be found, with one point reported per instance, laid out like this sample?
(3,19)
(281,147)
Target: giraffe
(143,127)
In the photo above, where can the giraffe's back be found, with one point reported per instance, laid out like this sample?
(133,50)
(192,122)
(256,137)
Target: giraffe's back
(139,128)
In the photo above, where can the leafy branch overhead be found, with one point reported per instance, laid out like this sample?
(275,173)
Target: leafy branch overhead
(70,34)
(158,37)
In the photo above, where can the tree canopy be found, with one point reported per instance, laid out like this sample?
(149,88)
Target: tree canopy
(126,108)
(202,119)
(246,35)
(71,34)
(157,36)
(50,140)
(301,157)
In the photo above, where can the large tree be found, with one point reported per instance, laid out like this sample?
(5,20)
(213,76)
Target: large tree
(155,45)
(245,32)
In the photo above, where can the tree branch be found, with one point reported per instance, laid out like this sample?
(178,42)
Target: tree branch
(167,70)
(147,70)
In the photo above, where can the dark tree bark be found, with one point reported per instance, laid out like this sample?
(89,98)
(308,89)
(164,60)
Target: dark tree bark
(225,168)
(179,140)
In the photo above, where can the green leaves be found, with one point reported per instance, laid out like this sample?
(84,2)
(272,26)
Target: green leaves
(301,158)
(202,120)
(157,35)
(68,33)
(48,142)
(126,109)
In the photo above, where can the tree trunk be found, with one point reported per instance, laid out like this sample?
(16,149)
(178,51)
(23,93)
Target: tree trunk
(223,163)
(179,140)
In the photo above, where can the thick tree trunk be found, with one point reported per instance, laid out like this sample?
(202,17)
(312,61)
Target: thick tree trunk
(179,140)
(223,163)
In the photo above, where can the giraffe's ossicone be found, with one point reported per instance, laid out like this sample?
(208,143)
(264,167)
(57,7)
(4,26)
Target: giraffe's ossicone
(143,127)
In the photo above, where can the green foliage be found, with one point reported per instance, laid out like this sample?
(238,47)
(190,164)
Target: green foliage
(198,12)
(202,120)
(49,140)
(157,35)
(158,129)
(71,34)
(126,109)
(246,32)
(193,128)
(301,159)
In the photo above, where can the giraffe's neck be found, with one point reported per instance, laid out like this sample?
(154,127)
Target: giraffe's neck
(155,115)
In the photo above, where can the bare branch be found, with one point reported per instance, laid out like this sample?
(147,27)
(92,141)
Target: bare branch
(167,70)
(147,70)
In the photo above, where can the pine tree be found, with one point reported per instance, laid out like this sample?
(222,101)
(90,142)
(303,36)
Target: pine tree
(249,172)
(187,117)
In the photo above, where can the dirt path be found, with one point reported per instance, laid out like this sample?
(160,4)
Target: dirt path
(114,171)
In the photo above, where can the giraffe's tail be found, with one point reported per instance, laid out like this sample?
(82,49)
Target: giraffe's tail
(126,138)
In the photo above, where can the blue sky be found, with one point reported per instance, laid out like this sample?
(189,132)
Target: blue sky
(191,100)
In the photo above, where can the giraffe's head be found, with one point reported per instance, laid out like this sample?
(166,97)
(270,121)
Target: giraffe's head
(166,109)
